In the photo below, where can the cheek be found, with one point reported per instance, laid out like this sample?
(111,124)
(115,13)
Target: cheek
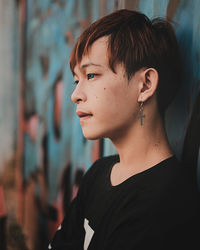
(109,103)
(122,104)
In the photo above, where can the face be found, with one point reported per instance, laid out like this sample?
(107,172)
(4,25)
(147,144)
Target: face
(106,101)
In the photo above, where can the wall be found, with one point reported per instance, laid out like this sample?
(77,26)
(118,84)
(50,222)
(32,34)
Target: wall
(8,81)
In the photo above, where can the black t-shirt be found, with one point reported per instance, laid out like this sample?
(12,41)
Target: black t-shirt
(157,209)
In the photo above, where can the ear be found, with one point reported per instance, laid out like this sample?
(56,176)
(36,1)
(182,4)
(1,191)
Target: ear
(148,85)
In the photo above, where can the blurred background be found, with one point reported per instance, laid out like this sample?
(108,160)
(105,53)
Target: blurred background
(43,154)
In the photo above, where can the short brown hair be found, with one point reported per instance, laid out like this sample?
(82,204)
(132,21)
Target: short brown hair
(137,42)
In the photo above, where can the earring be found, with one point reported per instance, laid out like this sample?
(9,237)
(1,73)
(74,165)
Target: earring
(141,115)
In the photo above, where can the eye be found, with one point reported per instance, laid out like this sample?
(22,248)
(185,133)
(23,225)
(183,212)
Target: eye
(91,76)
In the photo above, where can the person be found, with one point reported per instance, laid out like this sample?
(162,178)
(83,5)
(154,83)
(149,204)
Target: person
(127,70)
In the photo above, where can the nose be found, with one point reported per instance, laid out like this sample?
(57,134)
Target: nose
(78,95)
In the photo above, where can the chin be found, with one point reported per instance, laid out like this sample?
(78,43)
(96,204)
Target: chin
(92,136)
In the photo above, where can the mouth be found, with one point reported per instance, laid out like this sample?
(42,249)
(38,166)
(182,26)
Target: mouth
(83,115)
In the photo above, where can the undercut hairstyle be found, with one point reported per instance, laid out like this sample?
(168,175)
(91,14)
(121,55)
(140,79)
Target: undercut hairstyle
(137,42)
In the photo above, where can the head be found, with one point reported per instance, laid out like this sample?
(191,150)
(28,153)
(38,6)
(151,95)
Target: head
(133,44)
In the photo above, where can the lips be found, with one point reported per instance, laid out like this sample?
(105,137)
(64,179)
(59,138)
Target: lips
(83,115)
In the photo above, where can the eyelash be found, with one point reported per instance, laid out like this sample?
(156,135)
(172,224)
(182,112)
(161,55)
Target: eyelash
(91,74)
(88,77)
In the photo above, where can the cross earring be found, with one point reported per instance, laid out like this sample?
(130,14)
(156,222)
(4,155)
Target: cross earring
(141,115)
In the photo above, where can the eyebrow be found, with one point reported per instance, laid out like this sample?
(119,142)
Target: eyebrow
(87,65)
(90,64)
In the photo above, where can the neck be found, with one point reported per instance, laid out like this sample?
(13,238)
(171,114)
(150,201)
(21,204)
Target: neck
(143,146)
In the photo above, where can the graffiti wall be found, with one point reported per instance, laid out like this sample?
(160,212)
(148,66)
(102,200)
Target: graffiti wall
(8,80)
(37,115)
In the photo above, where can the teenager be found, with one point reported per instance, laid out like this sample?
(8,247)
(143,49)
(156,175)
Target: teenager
(127,71)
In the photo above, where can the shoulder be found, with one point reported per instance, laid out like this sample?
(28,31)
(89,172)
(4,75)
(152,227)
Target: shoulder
(182,177)
(177,177)
(180,189)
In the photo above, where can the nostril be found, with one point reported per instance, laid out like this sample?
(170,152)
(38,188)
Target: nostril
(78,100)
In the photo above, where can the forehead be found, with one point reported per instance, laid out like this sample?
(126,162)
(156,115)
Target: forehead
(96,56)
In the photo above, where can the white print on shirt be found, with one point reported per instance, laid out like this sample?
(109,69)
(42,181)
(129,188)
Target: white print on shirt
(88,234)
